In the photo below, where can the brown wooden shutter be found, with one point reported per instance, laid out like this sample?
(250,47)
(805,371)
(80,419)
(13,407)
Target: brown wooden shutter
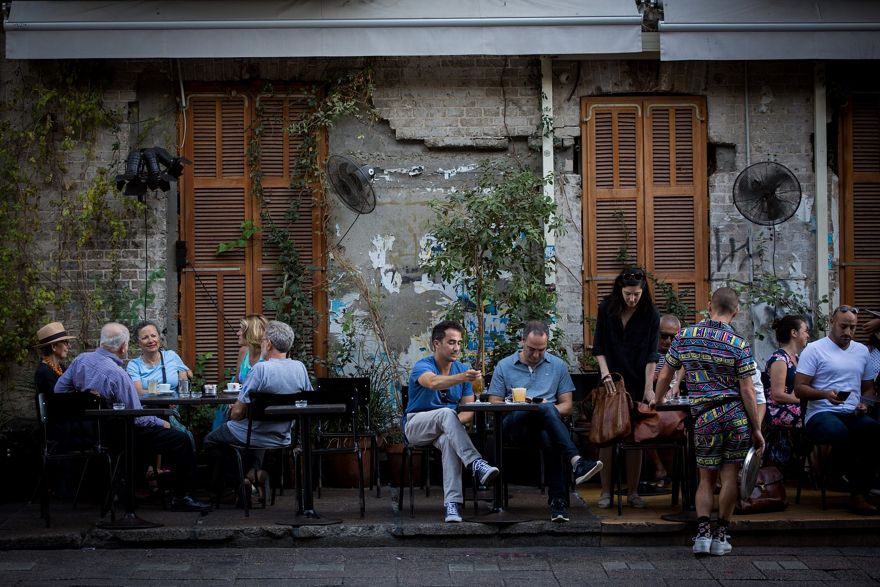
(860,204)
(612,204)
(217,196)
(676,246)
(645,195)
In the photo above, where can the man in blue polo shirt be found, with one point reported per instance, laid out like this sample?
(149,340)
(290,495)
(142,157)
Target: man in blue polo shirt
(545,377)
(437,385)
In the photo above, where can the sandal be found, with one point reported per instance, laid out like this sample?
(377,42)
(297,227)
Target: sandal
(604,502)
(259,482)
(636,501)
(663,482)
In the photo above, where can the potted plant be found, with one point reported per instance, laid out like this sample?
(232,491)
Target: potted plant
(489,240)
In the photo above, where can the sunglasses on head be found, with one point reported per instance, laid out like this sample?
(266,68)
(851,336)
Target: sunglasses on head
(845,309)
(633,274)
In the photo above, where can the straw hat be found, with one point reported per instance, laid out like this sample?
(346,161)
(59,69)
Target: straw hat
(52,332)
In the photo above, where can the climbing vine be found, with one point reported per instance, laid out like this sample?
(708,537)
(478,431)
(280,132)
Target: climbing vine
(50,122)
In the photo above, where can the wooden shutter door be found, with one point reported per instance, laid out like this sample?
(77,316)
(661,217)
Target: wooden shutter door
(612,206)
(675,198)
(277,150)
(213,207)
(860,204)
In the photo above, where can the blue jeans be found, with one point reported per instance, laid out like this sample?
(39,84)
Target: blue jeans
(855,437)
(546,429)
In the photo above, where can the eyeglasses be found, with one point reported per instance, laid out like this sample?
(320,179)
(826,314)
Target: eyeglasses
(845,309)
(633,274)
(665,335)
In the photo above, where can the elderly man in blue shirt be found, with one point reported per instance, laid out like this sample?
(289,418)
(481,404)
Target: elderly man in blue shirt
(546,379)
(101,371)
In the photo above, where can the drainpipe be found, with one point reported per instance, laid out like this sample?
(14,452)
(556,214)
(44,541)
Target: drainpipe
(820,163)
(547,160)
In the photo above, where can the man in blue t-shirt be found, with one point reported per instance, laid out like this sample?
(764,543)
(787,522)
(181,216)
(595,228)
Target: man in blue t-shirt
(545,378)
(833,375)
(437,385)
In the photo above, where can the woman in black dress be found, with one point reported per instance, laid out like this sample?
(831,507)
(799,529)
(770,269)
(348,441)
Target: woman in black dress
(54,345)
(625,342)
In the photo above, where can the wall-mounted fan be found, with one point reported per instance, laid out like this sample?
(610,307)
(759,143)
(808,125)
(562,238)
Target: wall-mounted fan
(352,183)
(767,193)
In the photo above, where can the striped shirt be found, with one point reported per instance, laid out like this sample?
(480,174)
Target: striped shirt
(102,372)
(715,358)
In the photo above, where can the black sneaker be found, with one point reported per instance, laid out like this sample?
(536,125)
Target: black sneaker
(585,469)
(189,504)
(558,510)
(483,471)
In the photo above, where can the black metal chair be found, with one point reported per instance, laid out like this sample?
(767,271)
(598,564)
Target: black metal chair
(362,387)
(804,447)
(256,412)
(70,435)
(406,464)
(349,397)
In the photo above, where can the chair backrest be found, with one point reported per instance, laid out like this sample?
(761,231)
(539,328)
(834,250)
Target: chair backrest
(404,397)
(347,395)
(765,381)
(63,419)
(584,384)
(343,386)
(260,400)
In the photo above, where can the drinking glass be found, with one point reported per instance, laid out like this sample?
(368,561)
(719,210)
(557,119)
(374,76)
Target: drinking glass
(152,386)
(183,388)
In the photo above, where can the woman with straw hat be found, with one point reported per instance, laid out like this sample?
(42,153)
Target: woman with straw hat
(53,341)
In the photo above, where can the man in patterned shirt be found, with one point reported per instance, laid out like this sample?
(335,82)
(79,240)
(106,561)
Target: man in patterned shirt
(718,367)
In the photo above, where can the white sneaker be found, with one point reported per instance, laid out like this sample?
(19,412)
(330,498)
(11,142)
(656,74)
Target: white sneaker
(702,545)
(452,514)
(719,547)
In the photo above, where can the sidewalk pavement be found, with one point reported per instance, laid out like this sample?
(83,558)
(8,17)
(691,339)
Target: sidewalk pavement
(805,524)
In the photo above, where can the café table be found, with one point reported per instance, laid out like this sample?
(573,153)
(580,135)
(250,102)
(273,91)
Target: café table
(688,511)
(172,399)
(498,514)
(130,521)
(307,515)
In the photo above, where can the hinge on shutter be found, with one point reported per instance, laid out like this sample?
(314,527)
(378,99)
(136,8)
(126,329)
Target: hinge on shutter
(694,106)
(637,107)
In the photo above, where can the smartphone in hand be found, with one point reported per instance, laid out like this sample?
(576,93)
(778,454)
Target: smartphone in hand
(842,395)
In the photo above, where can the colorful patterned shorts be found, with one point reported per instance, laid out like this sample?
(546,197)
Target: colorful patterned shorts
(722,435)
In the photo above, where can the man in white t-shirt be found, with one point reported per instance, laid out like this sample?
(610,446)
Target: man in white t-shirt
(832,374)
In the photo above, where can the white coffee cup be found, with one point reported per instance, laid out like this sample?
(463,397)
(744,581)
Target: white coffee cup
(233,386)
(164,387)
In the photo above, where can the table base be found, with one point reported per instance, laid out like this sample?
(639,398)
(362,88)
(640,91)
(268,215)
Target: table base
(129,521)
(688,517)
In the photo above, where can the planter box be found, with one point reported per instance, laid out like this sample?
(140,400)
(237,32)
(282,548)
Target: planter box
(340,470)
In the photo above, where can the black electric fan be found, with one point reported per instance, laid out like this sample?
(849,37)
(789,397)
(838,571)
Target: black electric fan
(352,183)
(767,193)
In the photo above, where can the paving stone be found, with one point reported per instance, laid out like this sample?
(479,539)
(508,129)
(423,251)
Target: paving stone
(17,566)
(612,566)
(792,565)
(641,566)
(767,565)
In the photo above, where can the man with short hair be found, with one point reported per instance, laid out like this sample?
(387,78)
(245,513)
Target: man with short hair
(718,367)
(437,385)
(276,373)
(833,374)
(546,379)
(670,325)
(101,372)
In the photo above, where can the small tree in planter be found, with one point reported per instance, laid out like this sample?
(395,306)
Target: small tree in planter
(489,240)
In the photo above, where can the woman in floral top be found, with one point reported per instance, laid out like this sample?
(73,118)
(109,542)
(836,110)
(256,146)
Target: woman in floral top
(784,407)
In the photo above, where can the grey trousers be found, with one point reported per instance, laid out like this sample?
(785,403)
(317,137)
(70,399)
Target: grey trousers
(443,429)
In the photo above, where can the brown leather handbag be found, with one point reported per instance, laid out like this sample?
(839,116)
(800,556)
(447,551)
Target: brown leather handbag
(768,494)
(611,412)
(651,424)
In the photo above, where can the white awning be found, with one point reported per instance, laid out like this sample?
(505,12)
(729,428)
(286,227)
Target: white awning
(319,28)
(696,30)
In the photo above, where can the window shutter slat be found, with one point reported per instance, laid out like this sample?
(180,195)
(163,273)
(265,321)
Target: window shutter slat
(272,138)
(866,134)
(674,234)
(661,163)
(218,216)
(627,153)
(684,146)
(866,221)
(604,159)
(204,150)
(615,221)
(232,132)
